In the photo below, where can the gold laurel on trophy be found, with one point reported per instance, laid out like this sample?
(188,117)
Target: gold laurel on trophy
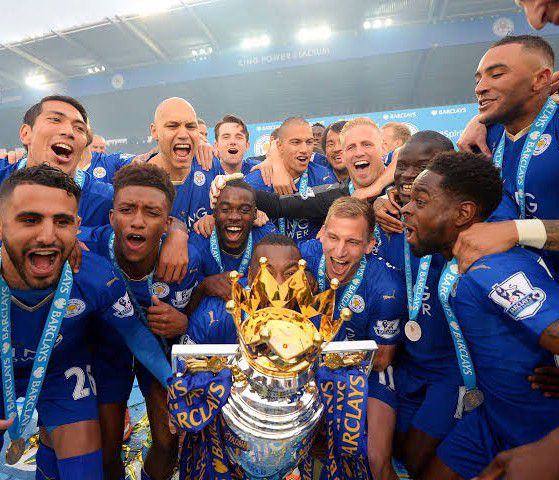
(276,339)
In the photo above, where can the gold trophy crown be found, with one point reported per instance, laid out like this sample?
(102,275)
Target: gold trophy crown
(275,339)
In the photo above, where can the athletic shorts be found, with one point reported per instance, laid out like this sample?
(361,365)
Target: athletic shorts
(471,445)
(431,407)
(68,395)
(381,387)
(113,368)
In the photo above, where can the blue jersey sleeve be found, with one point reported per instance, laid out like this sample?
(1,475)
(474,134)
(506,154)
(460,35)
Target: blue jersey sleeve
(210,323)
(120,314)
(96,238)
(254,179)
(389,313)
(517,288)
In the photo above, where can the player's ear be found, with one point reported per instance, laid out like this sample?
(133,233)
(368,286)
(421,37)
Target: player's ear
(153,131)
(25,134)
(370,245)
(111,217)
(465,213)
(168,224)
(78,222)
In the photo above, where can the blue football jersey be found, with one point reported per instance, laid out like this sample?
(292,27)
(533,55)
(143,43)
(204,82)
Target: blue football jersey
(96,199)
(192,201)
(247,165)
(320,159)
(199,250)
(210,323)
(379,304)
(387,159)
(98,300)
(103,166)
(542,200)
(175,294)
(299,229)
(433,355)
(503,303)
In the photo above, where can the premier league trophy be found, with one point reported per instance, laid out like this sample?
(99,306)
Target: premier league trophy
(269,419)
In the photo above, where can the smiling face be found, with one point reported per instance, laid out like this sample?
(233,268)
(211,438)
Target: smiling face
(344,243)
(295,144)
(412,160)
(505,82)
(38,229)
(57,137)
(334,153)
(540,12)
(362,154)
(140,216)
(232,145)
(176,131)
(234,214)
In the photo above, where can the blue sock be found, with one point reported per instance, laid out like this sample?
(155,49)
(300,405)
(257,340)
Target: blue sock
(145,476)
(47,467)
(84,467)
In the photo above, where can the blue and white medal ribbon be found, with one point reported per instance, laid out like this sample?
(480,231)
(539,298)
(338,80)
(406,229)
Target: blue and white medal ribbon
(473,397)
(351,288)
(40,364)
(303,187)
(216,252)
(415,293)
(79,177)
(532,139)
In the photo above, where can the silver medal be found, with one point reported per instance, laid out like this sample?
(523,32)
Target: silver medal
(412,330)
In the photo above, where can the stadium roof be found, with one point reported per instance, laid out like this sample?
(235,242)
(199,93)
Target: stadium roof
(59,41)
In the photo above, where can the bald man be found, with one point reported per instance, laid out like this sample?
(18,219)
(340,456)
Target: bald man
(295,145)
(175,129)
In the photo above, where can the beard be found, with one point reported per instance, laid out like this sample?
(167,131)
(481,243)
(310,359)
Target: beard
(18,261)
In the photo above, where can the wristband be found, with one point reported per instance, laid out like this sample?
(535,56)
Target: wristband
(531,233)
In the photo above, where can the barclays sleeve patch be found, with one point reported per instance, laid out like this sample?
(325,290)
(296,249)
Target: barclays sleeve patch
(518,297)
(123,307)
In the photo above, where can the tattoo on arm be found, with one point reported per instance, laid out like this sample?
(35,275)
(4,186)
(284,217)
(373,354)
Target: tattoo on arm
(549,339)
(552,229)
(178,225)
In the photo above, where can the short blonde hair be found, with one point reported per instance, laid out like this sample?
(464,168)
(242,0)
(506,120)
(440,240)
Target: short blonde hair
(401,131)
(355,123)
(351,207)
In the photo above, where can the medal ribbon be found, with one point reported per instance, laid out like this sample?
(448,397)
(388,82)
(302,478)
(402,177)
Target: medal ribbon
(534,135)
(303,187)
(79,177)
(122,276)
(446,283)
(351,287)
(415,294)
(42,357)
(216,252)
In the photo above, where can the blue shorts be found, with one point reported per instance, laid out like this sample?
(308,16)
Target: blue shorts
(68,395)
(471,445)
(381,387)
(113,368)
(431,407)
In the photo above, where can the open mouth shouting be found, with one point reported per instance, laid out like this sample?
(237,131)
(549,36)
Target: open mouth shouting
(233,151)
(303,159)
(182,151)
(135,242)
(44,262)
(339,268)
(62,152)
